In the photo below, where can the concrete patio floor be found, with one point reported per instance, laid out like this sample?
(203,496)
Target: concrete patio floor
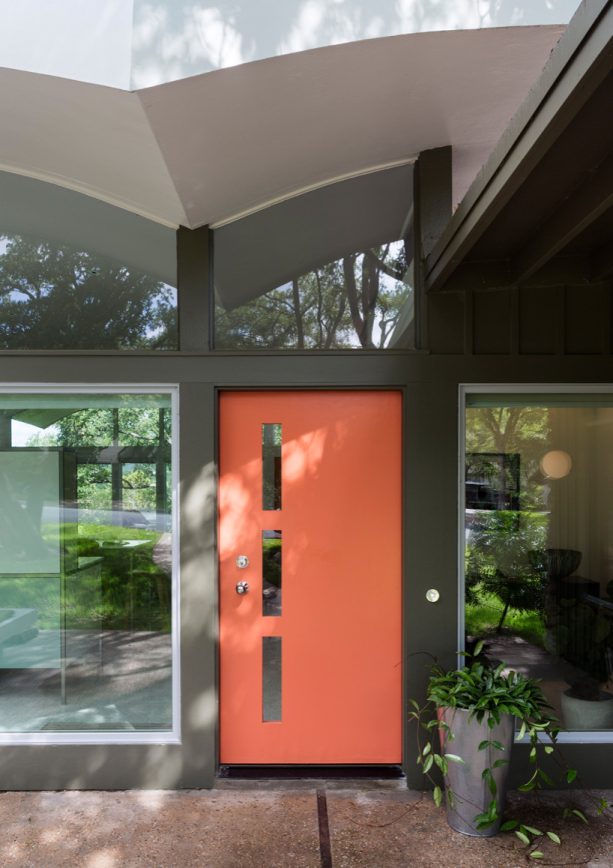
(276,825)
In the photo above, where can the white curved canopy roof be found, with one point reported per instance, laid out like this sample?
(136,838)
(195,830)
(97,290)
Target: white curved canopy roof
(210,148)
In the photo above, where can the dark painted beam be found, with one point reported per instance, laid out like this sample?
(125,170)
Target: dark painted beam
(576,214)
(432,182)
(194,288)
(431,214)
(576,269)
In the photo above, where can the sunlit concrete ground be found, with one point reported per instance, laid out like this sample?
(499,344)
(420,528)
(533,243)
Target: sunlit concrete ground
(274,825)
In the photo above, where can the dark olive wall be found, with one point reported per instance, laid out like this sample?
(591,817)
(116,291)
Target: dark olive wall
(546,318)
(558,334)
(431,520)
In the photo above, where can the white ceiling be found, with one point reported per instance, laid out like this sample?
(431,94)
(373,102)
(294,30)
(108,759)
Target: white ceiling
(212,147)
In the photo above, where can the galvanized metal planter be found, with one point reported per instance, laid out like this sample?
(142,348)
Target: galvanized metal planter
(470,793)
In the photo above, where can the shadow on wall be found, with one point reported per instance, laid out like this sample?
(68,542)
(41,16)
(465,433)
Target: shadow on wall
(173,39)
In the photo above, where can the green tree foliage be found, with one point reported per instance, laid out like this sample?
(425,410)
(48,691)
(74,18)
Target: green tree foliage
(147,427)
(355,301)
(54,297)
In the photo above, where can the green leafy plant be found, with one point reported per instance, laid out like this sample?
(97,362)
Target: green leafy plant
(488,693)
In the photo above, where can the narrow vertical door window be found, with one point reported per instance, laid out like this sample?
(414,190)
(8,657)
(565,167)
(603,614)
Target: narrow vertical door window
(271,466)
(271,571)
(271,678)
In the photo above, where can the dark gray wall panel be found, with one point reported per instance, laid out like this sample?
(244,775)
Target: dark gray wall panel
(541,319)
(492,321)
(446,326)
(587,319)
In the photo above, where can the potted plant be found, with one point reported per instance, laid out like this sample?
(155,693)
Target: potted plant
(472,712)
(586,706)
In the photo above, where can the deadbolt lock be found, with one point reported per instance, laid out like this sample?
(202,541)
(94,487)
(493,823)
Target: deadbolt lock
(242,561)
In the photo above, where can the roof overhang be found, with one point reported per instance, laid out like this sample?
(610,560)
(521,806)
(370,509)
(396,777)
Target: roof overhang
(220,145)
(546,190)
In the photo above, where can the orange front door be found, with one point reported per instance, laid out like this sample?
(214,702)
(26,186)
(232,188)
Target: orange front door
(310,519)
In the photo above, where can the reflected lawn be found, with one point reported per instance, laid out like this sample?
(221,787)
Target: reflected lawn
(124,588)
(483,616)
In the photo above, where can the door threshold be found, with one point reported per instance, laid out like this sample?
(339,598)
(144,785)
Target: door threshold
(309,772)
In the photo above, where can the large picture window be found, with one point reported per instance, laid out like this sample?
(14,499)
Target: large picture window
(538,543)
(86,563)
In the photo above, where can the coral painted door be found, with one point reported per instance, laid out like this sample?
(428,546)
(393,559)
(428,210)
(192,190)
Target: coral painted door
(310,524)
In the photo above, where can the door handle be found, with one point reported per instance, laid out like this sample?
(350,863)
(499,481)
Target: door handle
(242,587)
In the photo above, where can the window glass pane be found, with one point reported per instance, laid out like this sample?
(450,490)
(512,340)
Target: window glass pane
(76,273)
(85,563)
(539,577)
(271,678)
(272,576)
(272,434)
(331,269)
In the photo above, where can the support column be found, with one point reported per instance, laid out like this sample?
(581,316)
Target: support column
(195,288)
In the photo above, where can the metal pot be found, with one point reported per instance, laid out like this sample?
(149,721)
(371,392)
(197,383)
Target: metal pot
(471,795)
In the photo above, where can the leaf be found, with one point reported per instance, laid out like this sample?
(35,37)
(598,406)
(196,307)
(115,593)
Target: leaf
(415,704)
(500,762)
(523,838)
(532,830)
(571,774)
(549,749)
(441,762)
(437,795)
(483,745)
(536,854)
(428,763)
(426,750)
(553,837)
(454,758)
(497,745)
(579,814)
(545,777)
(478,648)
(509,826)
(522,731)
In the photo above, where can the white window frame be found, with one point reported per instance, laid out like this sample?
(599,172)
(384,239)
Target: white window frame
(565,736)
(172,736)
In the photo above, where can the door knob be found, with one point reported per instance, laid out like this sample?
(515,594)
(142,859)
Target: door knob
(242,561)
(242,587)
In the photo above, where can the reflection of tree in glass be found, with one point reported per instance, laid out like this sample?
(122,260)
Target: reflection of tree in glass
(94,486)
(355,301)
(500,544)
(139,487)
(142,485)
(53,297)
(499,561)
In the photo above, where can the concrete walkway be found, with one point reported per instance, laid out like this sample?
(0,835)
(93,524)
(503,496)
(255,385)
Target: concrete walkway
(275,825)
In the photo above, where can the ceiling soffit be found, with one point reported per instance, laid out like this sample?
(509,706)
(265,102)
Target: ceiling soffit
(213,147)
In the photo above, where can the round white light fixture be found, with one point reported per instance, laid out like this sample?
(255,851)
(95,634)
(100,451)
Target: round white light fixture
(432,595)
(556,464)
